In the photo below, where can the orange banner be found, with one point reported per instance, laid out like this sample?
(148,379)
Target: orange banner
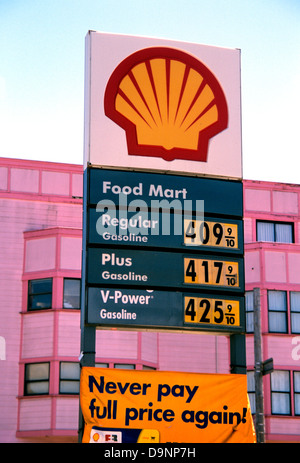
(129,406)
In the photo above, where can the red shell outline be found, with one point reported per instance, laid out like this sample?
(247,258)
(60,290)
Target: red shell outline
(111,91)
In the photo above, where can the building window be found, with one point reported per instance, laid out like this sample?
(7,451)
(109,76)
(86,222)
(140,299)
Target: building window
(277,309)
(280,393)
(251,390)
(125,366)
(37,378)
(295,311)
(249,311)
(102,365)
(274,232)
(40,294)
(297,392)
(71,293)
(69,378)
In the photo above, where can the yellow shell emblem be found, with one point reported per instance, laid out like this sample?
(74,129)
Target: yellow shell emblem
(168,102)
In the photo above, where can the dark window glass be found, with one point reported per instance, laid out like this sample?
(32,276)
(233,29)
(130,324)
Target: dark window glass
(40,294)
(71,293)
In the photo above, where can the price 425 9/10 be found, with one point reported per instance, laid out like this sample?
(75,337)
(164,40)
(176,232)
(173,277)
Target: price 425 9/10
(211,311)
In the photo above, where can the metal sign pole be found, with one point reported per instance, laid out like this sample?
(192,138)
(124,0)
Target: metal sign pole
(88,333)
(258,374)
(238,354)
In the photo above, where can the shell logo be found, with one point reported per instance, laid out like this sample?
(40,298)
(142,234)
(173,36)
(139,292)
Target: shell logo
(168,102)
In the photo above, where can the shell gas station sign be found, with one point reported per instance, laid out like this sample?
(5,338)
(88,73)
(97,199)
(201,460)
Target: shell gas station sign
(163,242)
(163,105)
(168,102)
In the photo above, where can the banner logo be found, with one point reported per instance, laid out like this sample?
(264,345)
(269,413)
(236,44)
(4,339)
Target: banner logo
(168,102)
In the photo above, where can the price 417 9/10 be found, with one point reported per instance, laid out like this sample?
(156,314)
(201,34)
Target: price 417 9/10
(211,272)
(211,311)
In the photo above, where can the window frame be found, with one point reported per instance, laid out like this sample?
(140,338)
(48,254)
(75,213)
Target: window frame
(251,390)
(40,380)
(293,312)
(249,312)
(74,279)
(275,391)
(125,366)
(68,379)
(32,294)
(274,223)
(102,364)
(296,393)
(270,311)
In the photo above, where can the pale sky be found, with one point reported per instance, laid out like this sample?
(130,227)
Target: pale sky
(42,71)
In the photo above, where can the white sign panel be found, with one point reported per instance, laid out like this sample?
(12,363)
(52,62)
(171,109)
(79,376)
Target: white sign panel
(162,105)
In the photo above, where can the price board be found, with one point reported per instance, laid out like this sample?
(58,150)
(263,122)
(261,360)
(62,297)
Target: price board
(214,234)
(163,269)
(211,272)
(144,308)
(144,234)
(164,230)
(204,311)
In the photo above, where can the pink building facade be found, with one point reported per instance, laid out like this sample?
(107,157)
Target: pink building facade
(40,269)
(272,263)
